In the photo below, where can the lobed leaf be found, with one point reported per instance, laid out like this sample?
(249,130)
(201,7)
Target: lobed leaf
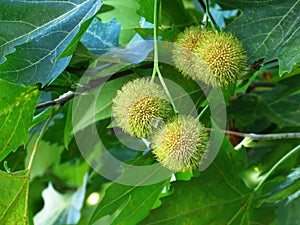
(14,198)
(126,205)
(101,37)
(36,39)
(17,104)
(269,30)
(125,13)
(217,196)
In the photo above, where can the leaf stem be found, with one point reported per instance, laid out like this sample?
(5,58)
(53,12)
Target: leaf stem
(202,112)
(34,150)
(155,65)
(161,79)
(208,15)
(294,150)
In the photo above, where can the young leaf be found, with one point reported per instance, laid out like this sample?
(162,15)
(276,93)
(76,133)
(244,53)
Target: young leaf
(14,198)
(61,209)
(33,44)
(17,104)
(269,30)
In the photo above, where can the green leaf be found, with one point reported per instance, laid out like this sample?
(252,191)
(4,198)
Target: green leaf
(76,40)
(217,196)
(285,192)
(169,11)
(47,155)
(125,13)
(55,131)
(17,105)
(14,198)
(146,9)
(41,117)
(278,105)
(68,130)
(32,44)
(126,205)
(101,37)
(281,187)
(71,172)
(61,208)
(268,29)
(97,104)
(288,214)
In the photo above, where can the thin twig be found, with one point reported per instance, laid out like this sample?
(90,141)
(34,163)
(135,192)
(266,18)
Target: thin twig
(96,82)
(64,98)
(259,137)
(61,100)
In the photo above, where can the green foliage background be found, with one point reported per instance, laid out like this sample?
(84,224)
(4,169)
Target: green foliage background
(47,46)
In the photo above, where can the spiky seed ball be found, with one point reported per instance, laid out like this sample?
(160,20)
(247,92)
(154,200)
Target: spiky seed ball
(182,53)
(222,55)
(181,144)
(139,105)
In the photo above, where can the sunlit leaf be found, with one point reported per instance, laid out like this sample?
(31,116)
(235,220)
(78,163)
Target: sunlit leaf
(17,104)
(14,198)
(125,13)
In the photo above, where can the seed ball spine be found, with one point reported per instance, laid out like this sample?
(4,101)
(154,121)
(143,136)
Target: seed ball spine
(222,55)
(181,144)
(138,105)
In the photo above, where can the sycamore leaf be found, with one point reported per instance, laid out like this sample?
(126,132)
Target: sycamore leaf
(125,13)
(101,37)
(17,104)
(126,205)
(269,29)
(61,208)
(217,196)
(14,198)
(288,212)
(29,51)
(46,155)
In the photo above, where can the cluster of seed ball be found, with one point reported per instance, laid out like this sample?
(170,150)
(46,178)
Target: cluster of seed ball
(179,144)
(216,58)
